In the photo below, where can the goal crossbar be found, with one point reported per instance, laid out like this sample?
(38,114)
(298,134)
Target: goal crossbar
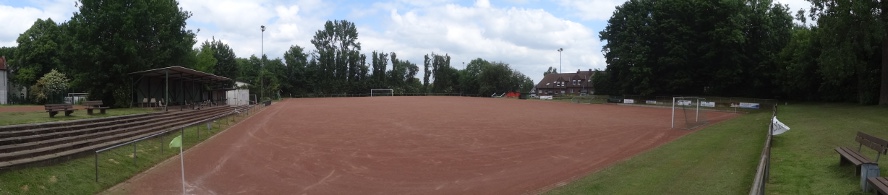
(382,92)
(687,102)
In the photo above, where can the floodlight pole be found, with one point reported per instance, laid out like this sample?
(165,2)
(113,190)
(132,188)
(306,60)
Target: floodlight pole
(262,65)
(559,59)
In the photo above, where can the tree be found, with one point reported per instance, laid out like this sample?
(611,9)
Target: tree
(206,60)
(601,83)
(470,76)
(271,74)
(111,39)
(297,70)
(9,52)
(339,55)
(854,61)
(799,77)
(226,63)
(50,88)
(425,80)
(39,51)
(674,47)
(379,63)
(550,71)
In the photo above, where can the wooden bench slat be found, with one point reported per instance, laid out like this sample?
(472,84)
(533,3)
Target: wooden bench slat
(880,184)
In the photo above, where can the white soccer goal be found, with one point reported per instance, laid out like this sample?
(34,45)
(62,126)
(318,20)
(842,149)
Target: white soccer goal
(689,115)
(382,92)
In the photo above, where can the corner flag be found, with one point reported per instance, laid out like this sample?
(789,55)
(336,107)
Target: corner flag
(177,142)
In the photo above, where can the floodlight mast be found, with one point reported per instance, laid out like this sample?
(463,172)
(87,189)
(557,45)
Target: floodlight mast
(559,59)
(262,64)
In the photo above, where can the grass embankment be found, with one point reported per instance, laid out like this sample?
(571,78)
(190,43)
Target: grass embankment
(804,161)
(720,159)
(78,175)
(14,118)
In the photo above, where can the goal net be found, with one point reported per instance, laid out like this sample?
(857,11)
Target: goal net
(686,113)
(382,92)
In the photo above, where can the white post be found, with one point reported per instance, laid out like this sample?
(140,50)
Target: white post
(673,112)
(697,119)
(182,158)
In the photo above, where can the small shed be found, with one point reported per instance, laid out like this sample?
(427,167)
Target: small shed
(239,95)
(4,81)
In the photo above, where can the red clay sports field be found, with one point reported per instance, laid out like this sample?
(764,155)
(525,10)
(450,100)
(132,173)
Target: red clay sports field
(412,145)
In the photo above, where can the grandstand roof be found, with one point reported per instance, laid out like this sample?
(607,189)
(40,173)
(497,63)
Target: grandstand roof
(178,72)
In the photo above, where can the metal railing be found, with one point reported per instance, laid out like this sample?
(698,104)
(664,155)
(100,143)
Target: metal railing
(764,167)
(248,110)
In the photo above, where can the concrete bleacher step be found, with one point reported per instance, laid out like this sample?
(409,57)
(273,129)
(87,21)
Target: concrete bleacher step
(88,142)
(40,148)
(61,127)
(93,132)
(24,129)
(55,133)
(85,129)
(90,133)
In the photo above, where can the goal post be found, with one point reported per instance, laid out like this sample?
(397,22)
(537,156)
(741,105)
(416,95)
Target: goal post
(689,108)
(381,92)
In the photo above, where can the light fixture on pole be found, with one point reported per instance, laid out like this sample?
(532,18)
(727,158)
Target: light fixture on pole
(559,59)
(262,65)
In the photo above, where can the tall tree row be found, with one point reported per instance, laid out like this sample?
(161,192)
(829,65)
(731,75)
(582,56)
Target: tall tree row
(748,48)
(695,47)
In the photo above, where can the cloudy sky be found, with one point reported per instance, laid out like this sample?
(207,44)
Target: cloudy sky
(523,33)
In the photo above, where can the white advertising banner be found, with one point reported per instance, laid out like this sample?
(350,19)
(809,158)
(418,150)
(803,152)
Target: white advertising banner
(650,102)
(628,101)
(708,104)
(684,102)
(545,97)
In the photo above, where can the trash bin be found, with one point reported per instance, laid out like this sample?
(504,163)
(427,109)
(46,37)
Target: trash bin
(867,171)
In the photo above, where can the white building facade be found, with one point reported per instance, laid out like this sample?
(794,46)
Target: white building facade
(238,96)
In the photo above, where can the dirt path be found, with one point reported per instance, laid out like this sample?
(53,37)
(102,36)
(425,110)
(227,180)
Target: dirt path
(412,145)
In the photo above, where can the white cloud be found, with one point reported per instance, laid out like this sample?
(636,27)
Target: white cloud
(18,19)
(525,38)
(795,5)
(482,3)
(237,23)
(592,10)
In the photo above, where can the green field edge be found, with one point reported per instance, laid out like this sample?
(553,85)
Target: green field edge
(692,164)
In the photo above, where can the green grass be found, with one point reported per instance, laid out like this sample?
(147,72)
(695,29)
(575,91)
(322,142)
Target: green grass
(13,118)
(77,175)
(720,159)
(804,161)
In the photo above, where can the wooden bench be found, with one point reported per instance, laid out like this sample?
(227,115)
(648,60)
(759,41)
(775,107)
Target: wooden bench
(54,109)
(880,184)
(90,105)
(849,155)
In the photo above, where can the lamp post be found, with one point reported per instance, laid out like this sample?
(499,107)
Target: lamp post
(262,65)
(559,59)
